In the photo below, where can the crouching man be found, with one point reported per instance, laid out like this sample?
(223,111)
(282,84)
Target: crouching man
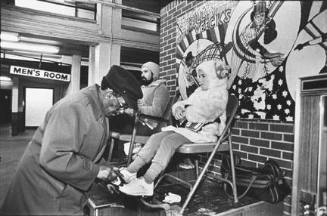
(60,163)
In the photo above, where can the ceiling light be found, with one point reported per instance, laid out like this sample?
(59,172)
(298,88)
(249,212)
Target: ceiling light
(42,48)
(9,36)
(5,78)
(38,40)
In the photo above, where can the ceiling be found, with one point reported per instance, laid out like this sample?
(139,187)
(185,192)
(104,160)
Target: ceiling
(69,47)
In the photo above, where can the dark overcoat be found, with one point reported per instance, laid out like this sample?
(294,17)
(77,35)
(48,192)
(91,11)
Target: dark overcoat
(60,162)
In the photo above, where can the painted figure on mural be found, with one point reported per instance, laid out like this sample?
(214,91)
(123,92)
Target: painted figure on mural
(261,23)
(251,57)
(187,75)
(316,41)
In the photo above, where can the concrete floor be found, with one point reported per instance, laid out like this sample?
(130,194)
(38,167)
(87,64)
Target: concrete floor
(11,150)
(209,200)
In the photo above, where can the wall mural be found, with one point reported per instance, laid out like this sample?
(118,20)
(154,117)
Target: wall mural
(267,51)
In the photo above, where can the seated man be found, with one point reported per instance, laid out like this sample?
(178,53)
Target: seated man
(202,109)
(154,102)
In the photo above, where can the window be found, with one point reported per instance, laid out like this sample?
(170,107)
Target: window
(81,10)
(136,20)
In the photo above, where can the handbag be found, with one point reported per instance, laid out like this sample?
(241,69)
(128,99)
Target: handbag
(265,183)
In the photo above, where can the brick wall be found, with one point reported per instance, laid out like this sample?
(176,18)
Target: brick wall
(168,15)
(254,141)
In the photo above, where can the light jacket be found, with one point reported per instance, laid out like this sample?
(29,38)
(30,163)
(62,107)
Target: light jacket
(59,164)
(204,107)
(155,100)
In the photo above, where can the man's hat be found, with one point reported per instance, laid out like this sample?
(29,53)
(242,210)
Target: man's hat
(153,67)
(124,83)
(260,7)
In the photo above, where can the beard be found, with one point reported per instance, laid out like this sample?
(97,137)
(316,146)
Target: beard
(146,82)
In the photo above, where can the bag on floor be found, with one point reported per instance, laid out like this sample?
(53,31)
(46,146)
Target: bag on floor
(266,183)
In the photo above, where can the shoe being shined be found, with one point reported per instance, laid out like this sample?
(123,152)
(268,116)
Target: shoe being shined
(138,187)
(126,175)
(186,164)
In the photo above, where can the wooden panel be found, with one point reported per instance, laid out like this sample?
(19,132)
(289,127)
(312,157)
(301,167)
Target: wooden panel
(306,148)
(87,32)
(33,22)
(144,40)
(309,142)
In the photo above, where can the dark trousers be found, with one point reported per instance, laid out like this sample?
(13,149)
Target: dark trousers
(124,124)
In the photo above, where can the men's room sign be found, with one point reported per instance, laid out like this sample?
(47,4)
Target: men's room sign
(43,74)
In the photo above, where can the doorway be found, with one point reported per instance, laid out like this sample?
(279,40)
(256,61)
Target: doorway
(5,106)
(37,102)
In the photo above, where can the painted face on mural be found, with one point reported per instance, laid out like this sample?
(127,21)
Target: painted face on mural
(259,18)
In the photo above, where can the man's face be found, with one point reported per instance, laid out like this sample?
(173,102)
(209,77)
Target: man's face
(146,75)
(259,18)
(113,102)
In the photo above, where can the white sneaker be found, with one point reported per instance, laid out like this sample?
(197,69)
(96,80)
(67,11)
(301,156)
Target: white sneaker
(138,187)
(186,164)
(127,176)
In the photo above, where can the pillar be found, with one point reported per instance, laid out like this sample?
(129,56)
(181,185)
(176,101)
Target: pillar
(15,120)
(75,75)
(105,54)
(91,70)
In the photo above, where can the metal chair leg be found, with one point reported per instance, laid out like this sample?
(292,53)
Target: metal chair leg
(233,169)
(112,143)
(131,147)
(195,186)
(197,167)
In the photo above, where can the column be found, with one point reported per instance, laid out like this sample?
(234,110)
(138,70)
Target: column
(105,54)
(91,66)
(75,75)
(14,108)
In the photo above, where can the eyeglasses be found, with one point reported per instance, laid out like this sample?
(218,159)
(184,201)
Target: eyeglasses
(121,100)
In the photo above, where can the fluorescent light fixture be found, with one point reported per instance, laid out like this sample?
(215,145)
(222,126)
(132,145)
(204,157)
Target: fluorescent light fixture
(5,78)
(42,48)
(9,36)
(38,40)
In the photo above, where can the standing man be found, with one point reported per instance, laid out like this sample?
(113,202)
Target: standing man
(60,163)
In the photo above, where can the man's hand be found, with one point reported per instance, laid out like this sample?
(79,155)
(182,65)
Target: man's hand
(179,113)
(129,111)
(107,173)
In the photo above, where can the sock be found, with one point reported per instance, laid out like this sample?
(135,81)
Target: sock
(137,164)
(151,174)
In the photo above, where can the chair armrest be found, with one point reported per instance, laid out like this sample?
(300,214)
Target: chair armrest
(155,118)
(138,139)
